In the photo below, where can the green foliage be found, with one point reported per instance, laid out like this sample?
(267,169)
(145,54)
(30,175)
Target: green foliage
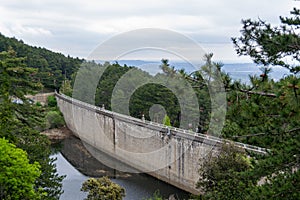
(51,101)
(265,113)
(17,175)
(220,174)
(269,45)
(54,119)
(38,104)
(107,83)
(163,89)
(51,68)
(102,189)
(166,120)
(140,101)
(281,186)
(86,83)
(269,128)
(15,82)
(150,94)
(156,196)
(19,123)
(66,88)
(21,83)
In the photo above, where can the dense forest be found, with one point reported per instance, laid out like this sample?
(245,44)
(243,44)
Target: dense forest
(154,90)
(263,113)
(52,67)
(27,171)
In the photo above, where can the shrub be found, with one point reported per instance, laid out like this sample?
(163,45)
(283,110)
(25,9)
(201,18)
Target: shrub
(166,120)
(102,188)
(17,175)
(54,119)
(51,101)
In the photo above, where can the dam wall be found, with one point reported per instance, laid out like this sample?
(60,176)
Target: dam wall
(167,153)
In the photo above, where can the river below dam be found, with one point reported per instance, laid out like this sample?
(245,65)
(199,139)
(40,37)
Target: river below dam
(74,161)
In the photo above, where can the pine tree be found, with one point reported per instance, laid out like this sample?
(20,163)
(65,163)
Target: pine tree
(265,113)
(268,45)
(20,120)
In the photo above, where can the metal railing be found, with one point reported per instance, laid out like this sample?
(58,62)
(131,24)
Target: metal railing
(154,125)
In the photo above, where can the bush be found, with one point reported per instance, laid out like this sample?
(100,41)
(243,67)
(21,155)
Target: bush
(51,101)
(102,188)
(54,119)
(17,175)
(156,196)
(166,120)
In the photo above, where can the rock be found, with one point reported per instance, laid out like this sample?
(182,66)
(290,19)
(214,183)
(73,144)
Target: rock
(57,134)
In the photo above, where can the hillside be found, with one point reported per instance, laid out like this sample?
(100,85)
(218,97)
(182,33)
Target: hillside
(53,67)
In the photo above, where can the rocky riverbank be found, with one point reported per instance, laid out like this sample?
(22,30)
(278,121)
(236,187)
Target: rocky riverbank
(57,134)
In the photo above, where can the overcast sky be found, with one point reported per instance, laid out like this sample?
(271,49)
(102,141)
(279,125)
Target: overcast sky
(77,27)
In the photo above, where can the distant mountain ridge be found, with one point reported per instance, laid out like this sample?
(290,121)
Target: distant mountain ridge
(238,71)
(54,67)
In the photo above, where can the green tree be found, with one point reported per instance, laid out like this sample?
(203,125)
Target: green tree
(166,68)
(19,122)
(17,176)
(15,82)
(220,173)
(166,120)
(266,113)
(52,67)
(268,45)
(156,196)
(66,88)
(54,119)
(51,101)
(102,189)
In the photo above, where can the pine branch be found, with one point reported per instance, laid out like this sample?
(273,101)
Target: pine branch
(258,134)
(259,93)
(240,136)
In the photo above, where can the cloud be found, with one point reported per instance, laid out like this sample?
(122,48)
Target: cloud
(75,26)
(19,29)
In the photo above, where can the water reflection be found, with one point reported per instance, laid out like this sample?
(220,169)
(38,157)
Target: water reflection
(76,162)
(73,181)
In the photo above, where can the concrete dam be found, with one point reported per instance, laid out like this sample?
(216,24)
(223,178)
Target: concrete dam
(170,154)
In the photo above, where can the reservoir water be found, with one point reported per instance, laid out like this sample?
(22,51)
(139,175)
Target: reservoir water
(137,186)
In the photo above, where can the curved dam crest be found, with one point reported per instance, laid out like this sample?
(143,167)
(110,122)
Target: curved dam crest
(170,154)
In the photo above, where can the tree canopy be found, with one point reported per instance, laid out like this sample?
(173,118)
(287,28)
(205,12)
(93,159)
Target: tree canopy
(220,173)
(17,176)
(264,113)
(102,189)
(52,67)
(20,120)
(272,45)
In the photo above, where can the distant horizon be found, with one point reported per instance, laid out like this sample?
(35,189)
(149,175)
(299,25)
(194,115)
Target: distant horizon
(238,61)
(224,62)
(170,61)
(237,71)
